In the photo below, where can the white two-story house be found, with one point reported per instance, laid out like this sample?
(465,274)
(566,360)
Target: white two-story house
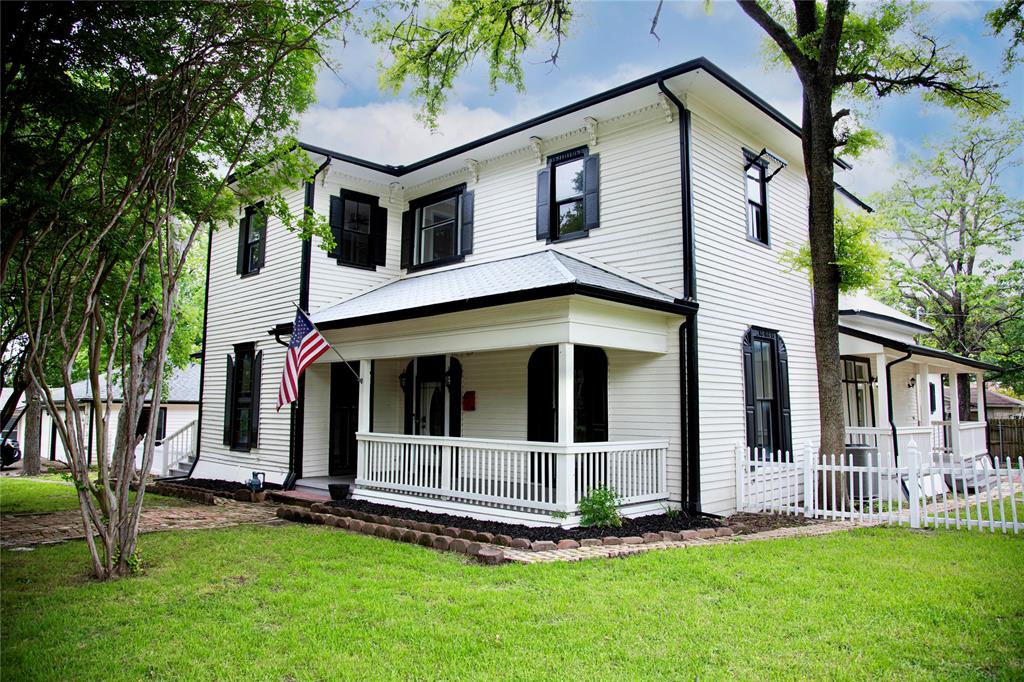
(591,297)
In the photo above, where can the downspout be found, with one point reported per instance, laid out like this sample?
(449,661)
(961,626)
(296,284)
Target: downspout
(298,411)
(689,404)
(888,398)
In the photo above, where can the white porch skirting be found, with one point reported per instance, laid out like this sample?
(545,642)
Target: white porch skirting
(522,478)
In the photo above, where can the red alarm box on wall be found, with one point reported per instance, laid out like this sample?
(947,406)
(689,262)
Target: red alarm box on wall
(469,401)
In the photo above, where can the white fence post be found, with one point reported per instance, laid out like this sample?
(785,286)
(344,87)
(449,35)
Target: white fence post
(447,452)
(565,470)
(914,483)
(809,480)
(741,472)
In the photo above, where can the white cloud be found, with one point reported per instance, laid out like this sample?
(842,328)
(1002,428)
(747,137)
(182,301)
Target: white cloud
(875,171)
(388,132)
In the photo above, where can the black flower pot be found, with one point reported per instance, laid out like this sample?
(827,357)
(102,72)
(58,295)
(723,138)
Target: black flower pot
(339,491)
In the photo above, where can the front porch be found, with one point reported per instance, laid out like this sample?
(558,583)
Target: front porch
(498,409)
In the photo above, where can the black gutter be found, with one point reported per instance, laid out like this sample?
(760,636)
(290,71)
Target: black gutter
(677,307)
(298,409)
(689,375)
(853,197)
(699,64)
(888,399)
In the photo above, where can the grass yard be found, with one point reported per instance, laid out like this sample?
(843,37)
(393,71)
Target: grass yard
(308,602)
(31,495)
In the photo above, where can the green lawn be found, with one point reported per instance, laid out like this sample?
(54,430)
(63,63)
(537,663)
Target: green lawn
(32,495)
(308,602)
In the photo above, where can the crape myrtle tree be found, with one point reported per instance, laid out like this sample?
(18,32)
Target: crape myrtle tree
(839,54)
(121,124)
(957,240)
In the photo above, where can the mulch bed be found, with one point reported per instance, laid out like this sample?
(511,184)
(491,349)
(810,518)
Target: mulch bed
(745,523)
(630,527)
(219,486)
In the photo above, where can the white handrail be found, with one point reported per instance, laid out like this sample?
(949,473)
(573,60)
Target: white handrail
(177,447)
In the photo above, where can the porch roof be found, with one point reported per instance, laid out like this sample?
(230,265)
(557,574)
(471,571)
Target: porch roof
(535,276)
(916,349)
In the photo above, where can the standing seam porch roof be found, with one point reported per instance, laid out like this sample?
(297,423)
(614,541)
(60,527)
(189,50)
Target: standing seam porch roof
(530,277)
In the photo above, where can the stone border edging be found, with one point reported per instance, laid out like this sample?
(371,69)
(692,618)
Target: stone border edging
(202,496)
(481,545)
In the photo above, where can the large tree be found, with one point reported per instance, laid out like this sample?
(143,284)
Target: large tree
(121,124)
(838,54)
(957,238)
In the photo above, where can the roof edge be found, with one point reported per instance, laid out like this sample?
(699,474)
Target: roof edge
(915,349)
(700,63)
(886,318)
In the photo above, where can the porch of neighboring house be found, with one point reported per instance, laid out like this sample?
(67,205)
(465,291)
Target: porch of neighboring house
(512,411)
(891,400)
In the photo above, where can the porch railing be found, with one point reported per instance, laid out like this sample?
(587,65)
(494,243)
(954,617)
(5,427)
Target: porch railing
(176,447)
(542,477)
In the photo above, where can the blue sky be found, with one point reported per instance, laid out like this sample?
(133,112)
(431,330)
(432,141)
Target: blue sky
(611,45)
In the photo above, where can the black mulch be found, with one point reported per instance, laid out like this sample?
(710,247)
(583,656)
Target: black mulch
(218,485)
(638,526)
(745,523)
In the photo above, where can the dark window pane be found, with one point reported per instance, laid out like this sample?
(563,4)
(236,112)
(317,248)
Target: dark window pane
(569,180)
(355,248)
(437,242)
(357,216)
(570,217)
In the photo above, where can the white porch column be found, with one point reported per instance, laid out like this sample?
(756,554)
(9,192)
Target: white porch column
(979,381)
(363,424)
(566,465)
(882,406)
(954,413)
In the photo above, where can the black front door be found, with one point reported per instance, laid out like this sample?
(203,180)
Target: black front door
(341,458)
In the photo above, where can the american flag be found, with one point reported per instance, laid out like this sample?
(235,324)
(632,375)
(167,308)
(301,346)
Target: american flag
(305,347)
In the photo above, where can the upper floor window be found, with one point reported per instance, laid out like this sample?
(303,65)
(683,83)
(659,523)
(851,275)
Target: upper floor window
(242,398)
(438,228)
(766,379)
(757,201)
(567,195)
(359,225)
(252,240)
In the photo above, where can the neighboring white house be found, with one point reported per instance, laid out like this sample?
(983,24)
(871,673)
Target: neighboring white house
(591,297)
(177,422)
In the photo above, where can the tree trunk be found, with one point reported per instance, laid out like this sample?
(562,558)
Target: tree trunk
(31,464)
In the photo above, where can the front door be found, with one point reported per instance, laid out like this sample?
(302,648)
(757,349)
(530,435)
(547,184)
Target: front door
(344,419)
(433,389)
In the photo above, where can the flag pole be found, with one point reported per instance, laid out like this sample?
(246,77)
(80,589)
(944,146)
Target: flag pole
(347,363)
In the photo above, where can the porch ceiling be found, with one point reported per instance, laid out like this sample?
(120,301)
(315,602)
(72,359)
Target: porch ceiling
(544,275)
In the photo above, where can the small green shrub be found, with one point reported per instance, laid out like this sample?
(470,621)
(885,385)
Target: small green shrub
(672,513)
(600,507)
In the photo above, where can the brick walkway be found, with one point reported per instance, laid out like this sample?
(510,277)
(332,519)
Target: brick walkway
(609,551)
(25,530)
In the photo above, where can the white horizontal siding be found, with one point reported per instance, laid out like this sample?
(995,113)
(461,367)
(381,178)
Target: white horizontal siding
(742,284)
(241,310)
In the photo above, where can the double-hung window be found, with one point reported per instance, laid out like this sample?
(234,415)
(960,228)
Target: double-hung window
(567,195)
(242,398)
(359,226)
(161,423)
(857,392)
(766,378)
(757,201)
(438,228)
(252,240)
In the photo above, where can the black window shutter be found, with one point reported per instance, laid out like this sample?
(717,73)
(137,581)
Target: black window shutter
(455,399)
(241,244)
(254,418)
(786,413)
(334,220)
(591,182)
(748,388)
(379,233)
(467,222)
(229,400)
(543,203)
(407,217)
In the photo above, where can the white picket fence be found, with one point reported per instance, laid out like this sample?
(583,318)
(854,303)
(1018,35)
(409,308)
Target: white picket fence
(981,493)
